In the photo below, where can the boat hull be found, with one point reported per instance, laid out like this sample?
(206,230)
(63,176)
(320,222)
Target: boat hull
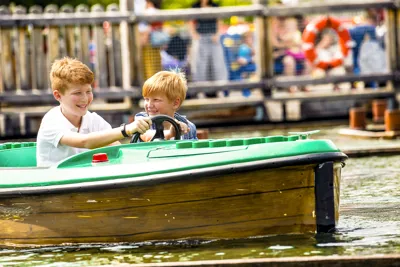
(213,203)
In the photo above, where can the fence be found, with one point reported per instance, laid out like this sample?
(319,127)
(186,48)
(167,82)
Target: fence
(108,40)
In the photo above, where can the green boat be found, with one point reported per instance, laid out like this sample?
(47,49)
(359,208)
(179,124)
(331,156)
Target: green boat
(170,190)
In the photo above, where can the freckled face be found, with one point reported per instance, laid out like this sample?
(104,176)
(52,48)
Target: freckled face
(76,100)
(159,104)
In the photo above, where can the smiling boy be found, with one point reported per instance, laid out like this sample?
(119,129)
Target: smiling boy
(70,128)
(163,94)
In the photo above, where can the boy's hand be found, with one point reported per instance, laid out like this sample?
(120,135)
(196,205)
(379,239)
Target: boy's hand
(183,127)
(140,125)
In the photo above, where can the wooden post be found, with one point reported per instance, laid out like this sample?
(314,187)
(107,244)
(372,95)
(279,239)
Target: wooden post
(83,36)
(378,110)
(127,69)
(137,69)
(264,59)
(263,46)
(114,50)
(6,60)
(21,55)
(68,34)
(22,123)
(2,124)
(100,65)
(392,120)
(1,72)
(53,44)
(397,48)
(391,38)
(358,119)
(38,65)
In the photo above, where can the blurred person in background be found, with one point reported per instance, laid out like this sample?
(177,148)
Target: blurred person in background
(246,55)
(289,59)
(175,54)
(327,48)
(151,58)
(207,58)
(368,50)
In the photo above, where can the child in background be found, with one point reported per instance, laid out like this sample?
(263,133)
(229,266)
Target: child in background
(70,128)
(246,55)
(164,94)
(292,37)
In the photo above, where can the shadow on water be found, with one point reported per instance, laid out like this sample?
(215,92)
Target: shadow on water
(369,224)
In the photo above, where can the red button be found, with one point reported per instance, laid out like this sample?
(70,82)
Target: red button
(100,157)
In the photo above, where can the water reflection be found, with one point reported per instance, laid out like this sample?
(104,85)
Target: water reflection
(369,224)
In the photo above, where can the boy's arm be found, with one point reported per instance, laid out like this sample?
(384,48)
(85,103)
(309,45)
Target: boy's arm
(105,137)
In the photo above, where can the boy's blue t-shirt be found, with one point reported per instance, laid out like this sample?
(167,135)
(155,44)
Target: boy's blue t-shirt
(192,134)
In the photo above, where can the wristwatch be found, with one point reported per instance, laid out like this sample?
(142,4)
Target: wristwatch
(123,131)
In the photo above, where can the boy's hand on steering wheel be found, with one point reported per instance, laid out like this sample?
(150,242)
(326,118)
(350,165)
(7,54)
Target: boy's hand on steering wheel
(140,125)
(183,127)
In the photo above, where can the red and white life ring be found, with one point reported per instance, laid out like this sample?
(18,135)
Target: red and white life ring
(310,33)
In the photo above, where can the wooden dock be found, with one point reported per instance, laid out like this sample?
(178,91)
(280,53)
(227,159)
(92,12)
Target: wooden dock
(369,134)
(372,151)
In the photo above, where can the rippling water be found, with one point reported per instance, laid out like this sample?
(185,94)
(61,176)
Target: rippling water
(369,224)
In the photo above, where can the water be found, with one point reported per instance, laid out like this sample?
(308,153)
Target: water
(369,223)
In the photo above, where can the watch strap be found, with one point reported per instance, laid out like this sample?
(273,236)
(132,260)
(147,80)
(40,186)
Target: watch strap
(123,131)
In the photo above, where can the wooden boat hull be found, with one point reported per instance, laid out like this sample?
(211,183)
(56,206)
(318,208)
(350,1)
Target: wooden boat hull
(292,195)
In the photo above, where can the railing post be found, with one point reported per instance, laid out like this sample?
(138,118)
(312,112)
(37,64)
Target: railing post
(264,60)
(397,47)
(21,54)
(392,44)
(83,52)
(263,46)
(7,68)
(53,42)
(38,64)
(127,70)
(114,50)
(100,65)
(68,34)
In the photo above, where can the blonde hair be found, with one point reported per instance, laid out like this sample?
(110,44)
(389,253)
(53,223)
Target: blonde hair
(171,83)
(68,71)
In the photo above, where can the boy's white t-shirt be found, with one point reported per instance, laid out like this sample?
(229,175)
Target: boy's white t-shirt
(53,126)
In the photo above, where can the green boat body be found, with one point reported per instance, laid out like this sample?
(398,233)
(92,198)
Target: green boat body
(225,188)
(18,160)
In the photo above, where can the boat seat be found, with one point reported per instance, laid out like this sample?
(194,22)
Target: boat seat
(11,156)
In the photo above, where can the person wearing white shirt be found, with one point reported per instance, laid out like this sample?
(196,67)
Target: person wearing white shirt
(70,128)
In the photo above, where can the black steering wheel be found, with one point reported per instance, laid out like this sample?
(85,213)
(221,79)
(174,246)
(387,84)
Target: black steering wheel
(158,121)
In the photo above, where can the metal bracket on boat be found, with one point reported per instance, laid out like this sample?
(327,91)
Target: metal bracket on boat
(304,135)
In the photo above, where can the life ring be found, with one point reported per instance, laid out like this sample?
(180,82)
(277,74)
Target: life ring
(310,33)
